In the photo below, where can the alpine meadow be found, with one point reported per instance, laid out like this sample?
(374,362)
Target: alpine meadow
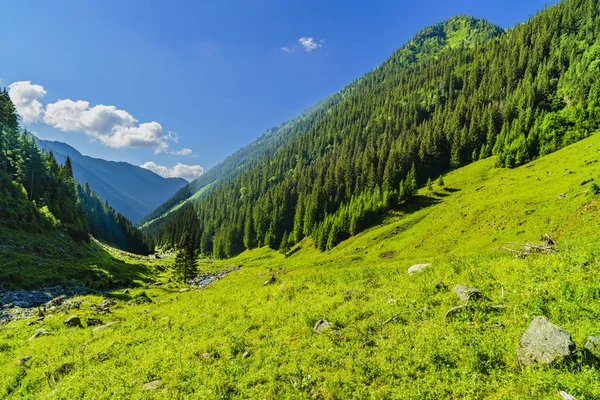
(430,231)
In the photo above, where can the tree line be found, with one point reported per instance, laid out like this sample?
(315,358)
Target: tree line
(515,95)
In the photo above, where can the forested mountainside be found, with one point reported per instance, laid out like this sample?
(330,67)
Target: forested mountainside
(517,95)
(459,31)
(132,190)
(38,194)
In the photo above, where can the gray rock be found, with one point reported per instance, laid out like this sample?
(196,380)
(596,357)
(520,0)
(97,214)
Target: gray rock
(417,268)
(322,325)
(270,281)
(152,385)
(465,293)
(544,343)
(57,301)
(38,333)
(593,345)
(207,356)
(246,354)
(94,322)
(187,289)
(105,326)
(73,321)
(24,360)
(566,396)
(368,343)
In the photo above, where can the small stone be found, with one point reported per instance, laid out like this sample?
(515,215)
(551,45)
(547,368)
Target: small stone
(417,268)
(585,182)
(207,356)
(322,325)
(593,345)
(246,354)
(105,326)
(94,322)
(392,301)
(57,301)
(270,281)
(187,289)
(24,360)
(368,343)
(151,385)
(465,293)
(126,291)
(566,396)
(73,321)
(38,333)
(544,343)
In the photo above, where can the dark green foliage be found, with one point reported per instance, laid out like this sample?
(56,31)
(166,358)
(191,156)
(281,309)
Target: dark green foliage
(185,267)
(440,181)
(110,226)
(429,185)
(516,95)
(38,194)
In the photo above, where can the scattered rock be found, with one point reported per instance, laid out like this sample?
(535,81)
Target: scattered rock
(270,281)
(71,305)
(55,302)
(388,254)
(322,325)
(141,299)
(73,321)
(151,385)
(566,396)
(105,305)
(440,286)
(105,326)
(38,333)
(585,182)
(465,293)
(94,322)
(392,301)
(126,291)
(246,354)
(207,356)
(544,343)
(593,345)
(187,289)
(24,360)
(368,343)
(417,268)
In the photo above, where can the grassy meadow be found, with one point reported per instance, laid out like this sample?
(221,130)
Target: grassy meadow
(240,338)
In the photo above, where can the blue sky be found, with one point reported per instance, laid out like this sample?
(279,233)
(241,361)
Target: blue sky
(199,77)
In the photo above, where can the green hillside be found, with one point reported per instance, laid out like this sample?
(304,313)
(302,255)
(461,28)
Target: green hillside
(460,31)
(517,95)
(389,337)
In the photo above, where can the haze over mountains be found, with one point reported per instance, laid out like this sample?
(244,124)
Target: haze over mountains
(131,190)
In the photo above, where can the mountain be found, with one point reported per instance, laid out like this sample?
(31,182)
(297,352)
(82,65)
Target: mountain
(517,95)
(131,190)
(430,42)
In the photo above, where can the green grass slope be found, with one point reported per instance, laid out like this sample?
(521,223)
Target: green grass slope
(241,339)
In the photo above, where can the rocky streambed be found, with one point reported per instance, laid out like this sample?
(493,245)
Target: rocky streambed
(21,304)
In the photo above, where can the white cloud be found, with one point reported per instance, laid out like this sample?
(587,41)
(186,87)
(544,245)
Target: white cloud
(26,97)
(287,49)
(188,172)
(309,44)
(113,127)
(182,152)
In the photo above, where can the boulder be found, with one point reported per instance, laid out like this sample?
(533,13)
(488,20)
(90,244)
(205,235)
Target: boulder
(417,268)
(566,396)
(322,325)
(246,354)
(73,321)
(57,301)
(593,345)
(544,343)
(465,293)
(94,322)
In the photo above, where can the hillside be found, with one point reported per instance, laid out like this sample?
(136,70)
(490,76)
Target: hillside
(132,191)
(518,96)
(242,338)
(430,42)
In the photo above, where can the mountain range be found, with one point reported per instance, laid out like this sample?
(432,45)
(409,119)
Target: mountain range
(131,190)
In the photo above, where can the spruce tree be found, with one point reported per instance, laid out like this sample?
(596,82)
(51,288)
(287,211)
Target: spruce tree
(185,267)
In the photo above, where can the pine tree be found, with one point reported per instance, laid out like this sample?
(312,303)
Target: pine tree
(440,181)
(429,185)
(185,267)
(68,167)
